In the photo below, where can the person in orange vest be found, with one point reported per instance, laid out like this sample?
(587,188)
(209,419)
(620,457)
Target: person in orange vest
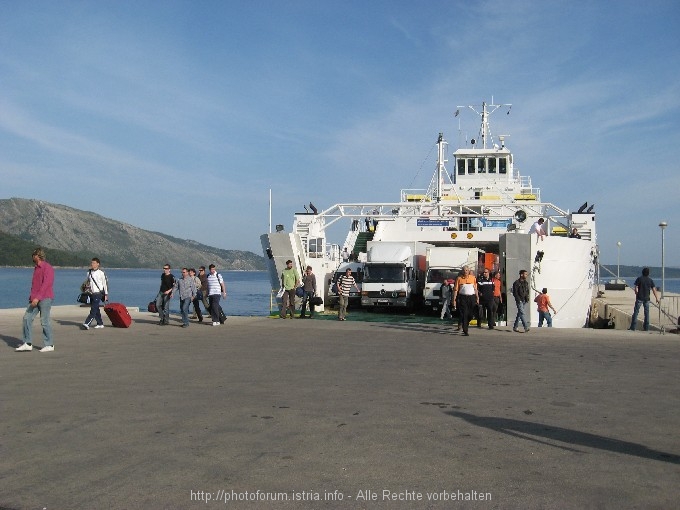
(466,291)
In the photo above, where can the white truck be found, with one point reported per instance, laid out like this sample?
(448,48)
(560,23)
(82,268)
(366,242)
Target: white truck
(445,263)
(394,274)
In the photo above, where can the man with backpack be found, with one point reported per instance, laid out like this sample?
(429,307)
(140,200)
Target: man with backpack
(216,289)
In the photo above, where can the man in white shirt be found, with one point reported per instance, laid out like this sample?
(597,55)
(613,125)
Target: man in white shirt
(216,289)
(537,228)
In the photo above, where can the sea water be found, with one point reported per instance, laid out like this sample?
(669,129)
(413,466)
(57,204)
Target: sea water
(248,292)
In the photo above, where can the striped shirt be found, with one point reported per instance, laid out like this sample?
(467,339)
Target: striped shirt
(214,281)
(345,283)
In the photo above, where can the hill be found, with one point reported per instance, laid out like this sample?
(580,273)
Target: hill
(74,237)
(635,271)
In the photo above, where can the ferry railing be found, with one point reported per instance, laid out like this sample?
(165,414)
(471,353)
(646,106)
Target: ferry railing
(669,310)
(488,210)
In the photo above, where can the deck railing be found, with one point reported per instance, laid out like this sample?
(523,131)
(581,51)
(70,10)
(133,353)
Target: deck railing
(669,310)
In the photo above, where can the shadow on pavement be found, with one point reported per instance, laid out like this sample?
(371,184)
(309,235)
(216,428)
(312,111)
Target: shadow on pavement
(523,429)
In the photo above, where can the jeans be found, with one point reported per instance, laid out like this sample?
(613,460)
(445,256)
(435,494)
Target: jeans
(44,306)
(184,309)
(206,301)
(446,308)
(633,321)
(197,308)
(546,316)
(163,306)
(308,297)
(343,301)
(521,315)
(214,307)
(95,312)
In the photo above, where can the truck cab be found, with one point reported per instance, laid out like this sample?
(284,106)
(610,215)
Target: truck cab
(393,274)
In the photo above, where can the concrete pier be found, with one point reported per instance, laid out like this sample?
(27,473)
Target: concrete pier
(614,308)
(267,413)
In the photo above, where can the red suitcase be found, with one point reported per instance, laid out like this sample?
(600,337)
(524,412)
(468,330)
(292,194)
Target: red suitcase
(118,315)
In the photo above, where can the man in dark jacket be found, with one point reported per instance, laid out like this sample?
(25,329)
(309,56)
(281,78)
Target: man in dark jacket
(643,286)
(486,303)
(520,291)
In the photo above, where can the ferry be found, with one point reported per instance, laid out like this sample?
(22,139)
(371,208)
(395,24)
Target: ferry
(482,202)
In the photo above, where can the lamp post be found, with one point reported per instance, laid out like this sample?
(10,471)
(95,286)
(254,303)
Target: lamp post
(663,226)
(618,260)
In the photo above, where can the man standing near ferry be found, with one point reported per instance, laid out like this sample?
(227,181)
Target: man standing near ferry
(466,297)
(39,300)
(289,282)
(520,291)
(643,286)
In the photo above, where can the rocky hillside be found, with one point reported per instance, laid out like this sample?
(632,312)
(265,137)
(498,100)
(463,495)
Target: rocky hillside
(87,234)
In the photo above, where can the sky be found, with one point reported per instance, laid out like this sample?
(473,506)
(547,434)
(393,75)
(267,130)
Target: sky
(180,116)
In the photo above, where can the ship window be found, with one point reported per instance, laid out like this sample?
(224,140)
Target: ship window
(502,166)
(461,166)
(481,165)
(492,165)
(471,166)
(315,247)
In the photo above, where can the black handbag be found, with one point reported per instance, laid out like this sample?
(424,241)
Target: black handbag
(83,298)
(316,301)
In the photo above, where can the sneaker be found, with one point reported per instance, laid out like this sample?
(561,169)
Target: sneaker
(85,326)
(47,348)
(185,325)
(527,330)
(216,323)
(99,326)
(24,347)
(515,330)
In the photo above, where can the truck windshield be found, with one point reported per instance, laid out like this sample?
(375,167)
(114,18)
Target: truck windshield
(439,275)
(358,276)
(384,273)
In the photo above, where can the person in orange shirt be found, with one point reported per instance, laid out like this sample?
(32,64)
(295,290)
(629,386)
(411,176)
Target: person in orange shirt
(466,291)
(544,306)
(497,298)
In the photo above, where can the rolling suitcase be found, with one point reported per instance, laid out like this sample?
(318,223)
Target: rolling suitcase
(118,315)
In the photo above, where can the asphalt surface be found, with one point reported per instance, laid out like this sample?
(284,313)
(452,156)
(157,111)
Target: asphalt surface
(270,413)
